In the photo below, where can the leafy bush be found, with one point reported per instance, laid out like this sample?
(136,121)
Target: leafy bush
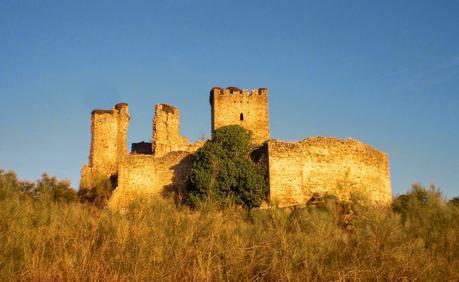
(46,188)
(99,193)
(419,202)
(427,214)
(224,172)
(56,190)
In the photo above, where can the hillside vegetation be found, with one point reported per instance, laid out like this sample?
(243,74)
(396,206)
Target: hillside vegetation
(46,234)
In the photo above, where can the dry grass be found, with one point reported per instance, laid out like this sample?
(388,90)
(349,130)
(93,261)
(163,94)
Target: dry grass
(42,240)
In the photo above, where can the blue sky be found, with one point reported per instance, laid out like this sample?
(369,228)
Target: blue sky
(385,72)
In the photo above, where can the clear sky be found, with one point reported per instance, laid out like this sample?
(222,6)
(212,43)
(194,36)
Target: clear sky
(384,72)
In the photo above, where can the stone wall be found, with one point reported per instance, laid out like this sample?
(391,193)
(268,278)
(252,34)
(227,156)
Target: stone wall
(326,165)
(166,131)
(248,109)
(108,142)
(297,170)
(143,172)
(147,176)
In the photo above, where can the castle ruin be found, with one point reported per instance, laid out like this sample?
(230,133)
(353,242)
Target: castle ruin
(297,170)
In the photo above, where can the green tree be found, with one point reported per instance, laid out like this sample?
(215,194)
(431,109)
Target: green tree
(426,213)
(54,189)
(223,170)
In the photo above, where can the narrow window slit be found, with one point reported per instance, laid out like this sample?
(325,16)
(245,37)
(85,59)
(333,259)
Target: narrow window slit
(241,117)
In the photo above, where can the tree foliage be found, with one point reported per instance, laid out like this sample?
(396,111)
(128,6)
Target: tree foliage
(46,188)
(223,170)
(427,213)
(56,190)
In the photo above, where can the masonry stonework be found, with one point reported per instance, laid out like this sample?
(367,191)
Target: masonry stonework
(248,109)
(297,170)
(148,176)
(166,131)
(108,143)
(326,165)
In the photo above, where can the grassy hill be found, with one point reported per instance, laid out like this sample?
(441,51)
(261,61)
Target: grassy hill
(47,234)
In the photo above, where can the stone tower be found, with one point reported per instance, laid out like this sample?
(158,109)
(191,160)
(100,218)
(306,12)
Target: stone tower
(248,109)
(109,138)
(166,131)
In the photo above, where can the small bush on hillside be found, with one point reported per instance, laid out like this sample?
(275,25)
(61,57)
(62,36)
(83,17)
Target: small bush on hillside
(224,172)
(56,190)
(454,201)
(419,202)
(429,216)
(98,194)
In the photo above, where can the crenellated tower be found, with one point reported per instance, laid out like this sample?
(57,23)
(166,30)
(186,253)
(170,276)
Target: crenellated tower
(248,109)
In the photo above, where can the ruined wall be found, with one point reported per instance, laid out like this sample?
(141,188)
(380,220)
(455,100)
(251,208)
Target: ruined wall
(326,165)
(147,176)
(248,109)
(123,125)
(296,170)
(166,131)
(108,142)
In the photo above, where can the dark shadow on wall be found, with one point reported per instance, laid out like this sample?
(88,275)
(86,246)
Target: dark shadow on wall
(178,189)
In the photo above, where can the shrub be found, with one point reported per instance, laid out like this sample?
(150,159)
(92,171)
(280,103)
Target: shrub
(454,201)
(98,194)
(419,201)
(224,172)
(54,189)
(427,215)
(46,188)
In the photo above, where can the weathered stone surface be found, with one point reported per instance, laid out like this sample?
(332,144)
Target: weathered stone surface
(149,176)
(297,170)
(108,142)
(248,109)
(166,131)
(326,165)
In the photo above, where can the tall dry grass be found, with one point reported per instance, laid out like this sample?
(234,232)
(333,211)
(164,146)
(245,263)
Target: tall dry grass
(44,240)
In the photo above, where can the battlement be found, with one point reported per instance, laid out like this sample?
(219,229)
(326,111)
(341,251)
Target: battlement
(234,92)
(246,108)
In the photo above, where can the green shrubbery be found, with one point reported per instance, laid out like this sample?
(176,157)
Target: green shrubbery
(46,187)
(224,172)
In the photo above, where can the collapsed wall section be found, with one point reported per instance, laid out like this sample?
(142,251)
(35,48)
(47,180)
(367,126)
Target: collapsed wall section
(147,176)
(166,131)
(326,165)
(248,109)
